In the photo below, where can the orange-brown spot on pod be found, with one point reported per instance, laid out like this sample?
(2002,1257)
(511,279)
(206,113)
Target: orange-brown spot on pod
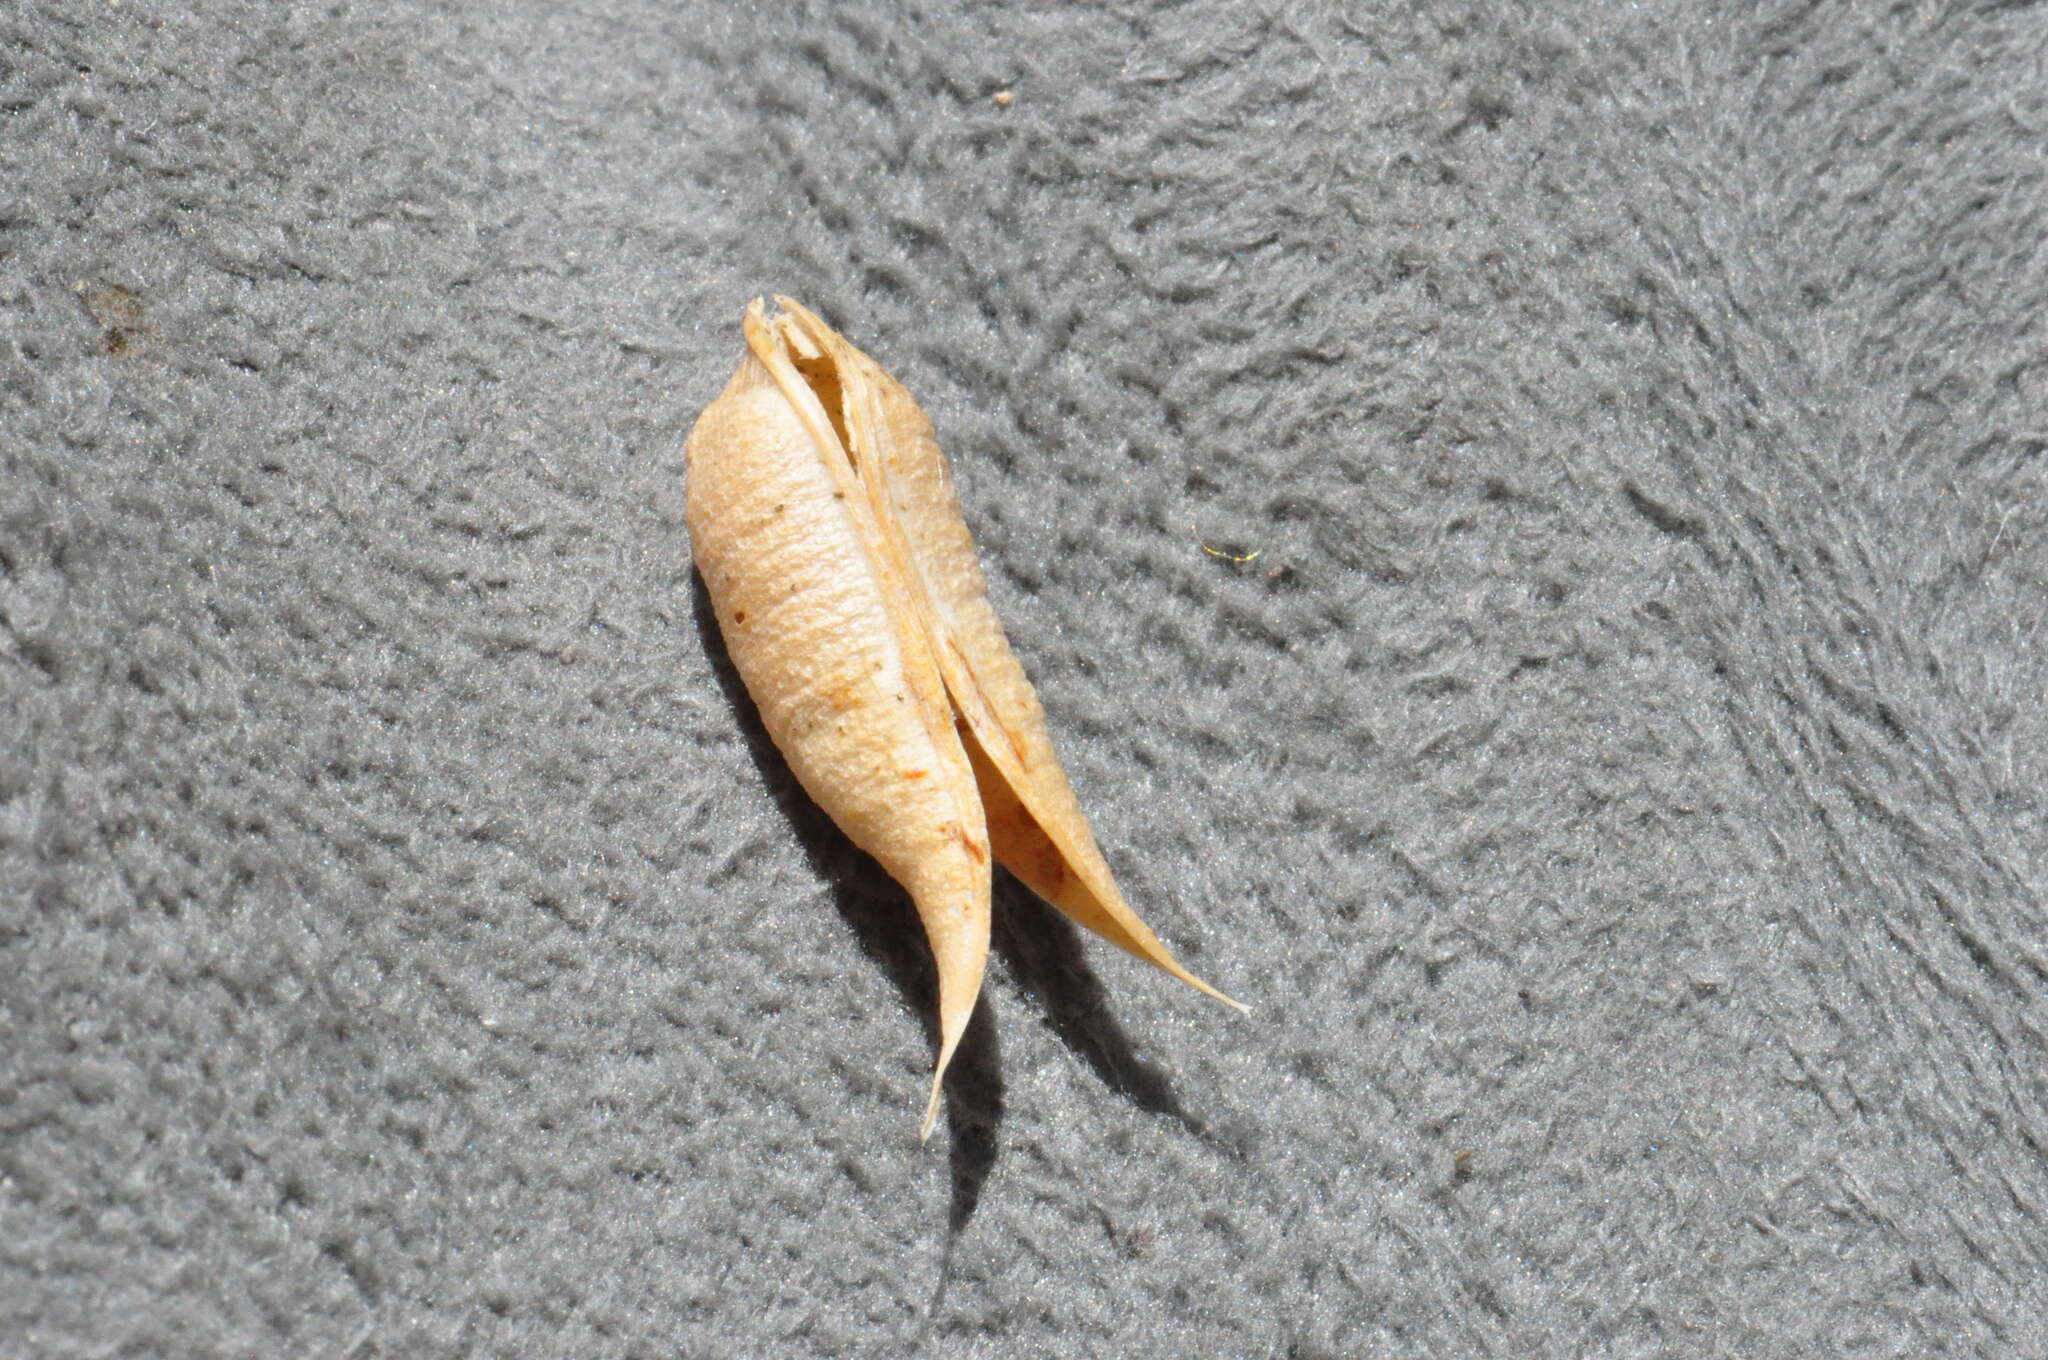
(1052,870)
(915,774)
(739,616)
(1029,850)
(974,846)
(844,693)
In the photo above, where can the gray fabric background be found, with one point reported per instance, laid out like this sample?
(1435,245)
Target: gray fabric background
(1616,782)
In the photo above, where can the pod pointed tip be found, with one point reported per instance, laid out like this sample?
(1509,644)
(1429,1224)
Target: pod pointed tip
(1173,967)
(1205,988)
(931,1110)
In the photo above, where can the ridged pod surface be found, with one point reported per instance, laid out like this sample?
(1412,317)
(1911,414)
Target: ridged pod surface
(823,520)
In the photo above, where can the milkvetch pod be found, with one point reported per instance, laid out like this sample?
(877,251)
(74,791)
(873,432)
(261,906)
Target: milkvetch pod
(823,519)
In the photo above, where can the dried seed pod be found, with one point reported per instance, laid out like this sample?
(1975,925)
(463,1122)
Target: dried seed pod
(823,520)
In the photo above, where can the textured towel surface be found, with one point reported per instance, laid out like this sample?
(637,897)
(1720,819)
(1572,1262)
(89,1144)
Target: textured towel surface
(1613,774)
